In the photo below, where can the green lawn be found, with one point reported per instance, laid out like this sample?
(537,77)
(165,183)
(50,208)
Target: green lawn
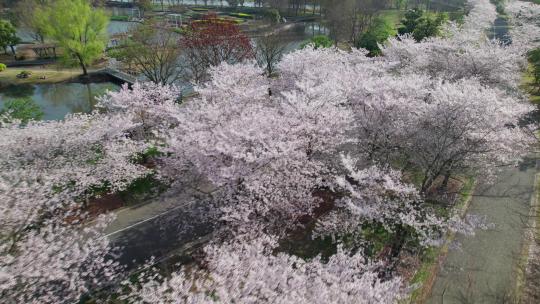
(394,16)
(526,85)
(9,76)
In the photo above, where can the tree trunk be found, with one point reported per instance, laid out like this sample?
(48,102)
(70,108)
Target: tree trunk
(83,66)
(85,72)
(444,184)
(12,50)
(426,183)
(395,250)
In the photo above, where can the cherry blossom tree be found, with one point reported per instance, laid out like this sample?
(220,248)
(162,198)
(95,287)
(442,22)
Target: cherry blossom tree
(50,252)
(79,152)
(493,63)
(376,195)
(525,31)
(405,118)
(260,151)
(248,272)
(464,53)
(151,107)
(268,147)
(57,262)
(464,127)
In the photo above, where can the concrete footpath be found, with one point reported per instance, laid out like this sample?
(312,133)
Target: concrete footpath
(484,269)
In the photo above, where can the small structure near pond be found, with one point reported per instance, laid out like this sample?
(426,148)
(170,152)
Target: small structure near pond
(44,50)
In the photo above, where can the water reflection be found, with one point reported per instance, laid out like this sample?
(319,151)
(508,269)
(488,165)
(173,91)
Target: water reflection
(18,91)
(57,100)
(500,31)
(118,27)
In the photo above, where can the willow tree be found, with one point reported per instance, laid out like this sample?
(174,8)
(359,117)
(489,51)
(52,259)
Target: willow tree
(78,28)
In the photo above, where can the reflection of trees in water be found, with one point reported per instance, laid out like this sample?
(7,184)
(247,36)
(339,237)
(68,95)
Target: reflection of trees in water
(77,97)
(18,91)
(59,99)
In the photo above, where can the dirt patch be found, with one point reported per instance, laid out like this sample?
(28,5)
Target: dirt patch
(104,204)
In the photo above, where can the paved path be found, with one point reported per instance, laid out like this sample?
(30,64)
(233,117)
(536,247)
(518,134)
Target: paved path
(160,227)
(483,271)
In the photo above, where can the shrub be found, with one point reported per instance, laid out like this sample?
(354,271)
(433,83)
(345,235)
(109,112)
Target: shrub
(319,41)
(24,74)
(272,15)
(376,34)
(499,5)
(534,60)
(421,24)
(2,67)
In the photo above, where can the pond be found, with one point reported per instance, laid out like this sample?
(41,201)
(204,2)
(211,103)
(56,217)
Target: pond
(114,27)
(118,27)
(57,100)
(500,31)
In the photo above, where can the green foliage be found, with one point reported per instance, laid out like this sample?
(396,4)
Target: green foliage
(98,155)
(534,60)
(142,189)
(499,5)
(24,74)
(400,4)
(534,55)
(272,15)
(79,28)
(457,16)
(118,53)
(24,109)
(427,258)
(319,41)
(307,247)
(145,5)
(376,236)
(120,18)
(429,27)
(242,15)
(422,25)
(411,20)
(146,156)
(8,34)
(377,33)
(3,67)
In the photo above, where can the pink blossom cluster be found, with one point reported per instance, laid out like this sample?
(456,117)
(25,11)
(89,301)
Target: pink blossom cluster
(335,129)
(247,272)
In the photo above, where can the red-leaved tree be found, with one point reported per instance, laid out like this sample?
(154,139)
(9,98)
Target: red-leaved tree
(211,41)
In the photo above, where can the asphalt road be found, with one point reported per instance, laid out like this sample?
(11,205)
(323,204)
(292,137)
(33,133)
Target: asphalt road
(162,226)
